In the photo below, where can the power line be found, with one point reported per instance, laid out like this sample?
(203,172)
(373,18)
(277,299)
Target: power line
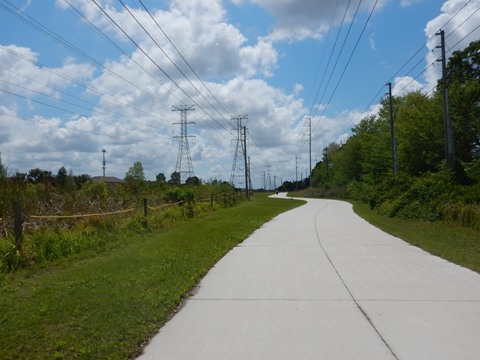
(183,58)
(155,63)
(381,89)
(75,81)
(170,59)
(339,54)
(107,38)
(349,59)
(330,57)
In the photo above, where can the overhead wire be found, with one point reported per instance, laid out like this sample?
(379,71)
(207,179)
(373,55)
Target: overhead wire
(167,56)
(348,62)
(20,14)
(92,110)
(75,81)
(62,108)
(78,13)
(137,45)
(375,97)
(330,57)
(321,58)
(339,54)
(183,58)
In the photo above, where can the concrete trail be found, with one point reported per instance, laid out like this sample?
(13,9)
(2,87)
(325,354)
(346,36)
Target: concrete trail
(318,282)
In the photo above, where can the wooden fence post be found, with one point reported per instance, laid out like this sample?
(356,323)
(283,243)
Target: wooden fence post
(18,224)
(211,199)
(145,207)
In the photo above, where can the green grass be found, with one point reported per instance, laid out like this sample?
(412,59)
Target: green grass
(107,306)
(454,243)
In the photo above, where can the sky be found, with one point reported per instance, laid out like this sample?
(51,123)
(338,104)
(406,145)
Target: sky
(79,76)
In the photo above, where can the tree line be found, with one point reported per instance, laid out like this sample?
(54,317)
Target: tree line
(362,165)
(66,179)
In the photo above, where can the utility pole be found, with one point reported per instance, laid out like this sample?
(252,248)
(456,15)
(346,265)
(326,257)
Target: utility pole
(250,186)
(310,147)
(325,153)
(392,131)
(103,162)
(245,161)
(449,142)
(184,161)
(296,172)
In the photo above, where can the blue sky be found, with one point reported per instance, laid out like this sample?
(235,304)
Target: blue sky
(261,58)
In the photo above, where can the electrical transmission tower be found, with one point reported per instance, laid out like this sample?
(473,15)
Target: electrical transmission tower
(268,179)
(239,168)
(184,162)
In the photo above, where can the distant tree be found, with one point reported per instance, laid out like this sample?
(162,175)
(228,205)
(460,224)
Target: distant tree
(37,176)
(80,180)
(373,136)
(62,177)
(193,180)
(20,177)
(135,173)
(161,178)
(175,178)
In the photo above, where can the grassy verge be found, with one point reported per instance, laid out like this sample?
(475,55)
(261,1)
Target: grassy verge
(106,306)
(454,243)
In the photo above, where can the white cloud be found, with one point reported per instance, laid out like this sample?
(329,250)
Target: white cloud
(297,89)
(458,33)
(25,73)
(301,19)
(407,3)
(404,85)
(371,41)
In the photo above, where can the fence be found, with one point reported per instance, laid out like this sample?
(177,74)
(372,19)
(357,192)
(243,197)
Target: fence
(18,216)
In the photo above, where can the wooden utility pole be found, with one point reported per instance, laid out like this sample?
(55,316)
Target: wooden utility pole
(392,131)
(449,142)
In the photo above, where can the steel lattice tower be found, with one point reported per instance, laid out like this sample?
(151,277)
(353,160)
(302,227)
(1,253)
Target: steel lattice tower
(238,169)
(184,164)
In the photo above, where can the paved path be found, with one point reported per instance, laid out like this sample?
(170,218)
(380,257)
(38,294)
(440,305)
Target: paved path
(318,282)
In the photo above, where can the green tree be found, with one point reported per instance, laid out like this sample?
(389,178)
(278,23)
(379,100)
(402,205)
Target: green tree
(62,177)
(347,162)
(419,133)
(464,98)
(37,176)
(374,146)
(175,178)
(161,178)
(193,180)
(135,173)
(80,180)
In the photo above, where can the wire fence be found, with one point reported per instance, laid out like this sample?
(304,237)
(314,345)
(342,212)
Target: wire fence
(19,217)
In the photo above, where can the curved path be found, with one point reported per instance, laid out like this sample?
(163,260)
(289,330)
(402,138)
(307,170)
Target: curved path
(318,282)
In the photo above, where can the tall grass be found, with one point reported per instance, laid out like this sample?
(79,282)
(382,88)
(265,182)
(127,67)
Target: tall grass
(49,239)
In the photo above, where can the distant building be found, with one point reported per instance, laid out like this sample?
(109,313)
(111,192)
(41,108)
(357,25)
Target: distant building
(111,180)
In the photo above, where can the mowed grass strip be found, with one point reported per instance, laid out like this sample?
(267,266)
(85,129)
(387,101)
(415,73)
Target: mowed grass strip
(454,243)
(107,306)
